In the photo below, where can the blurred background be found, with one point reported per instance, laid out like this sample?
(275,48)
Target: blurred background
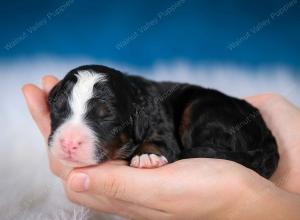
(143,33)
(239,47)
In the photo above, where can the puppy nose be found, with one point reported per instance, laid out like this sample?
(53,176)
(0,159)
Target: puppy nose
(70,145)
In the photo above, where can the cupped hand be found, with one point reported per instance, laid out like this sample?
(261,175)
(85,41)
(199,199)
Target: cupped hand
(189,189)
(283,119)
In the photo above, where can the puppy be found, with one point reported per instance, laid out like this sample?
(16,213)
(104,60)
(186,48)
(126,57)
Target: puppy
(98,114)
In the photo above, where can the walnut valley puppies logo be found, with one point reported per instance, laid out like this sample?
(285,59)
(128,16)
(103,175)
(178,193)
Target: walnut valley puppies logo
(244,122)
(149,24)
(258,27)
(38,25)
(167,94)
(140,110)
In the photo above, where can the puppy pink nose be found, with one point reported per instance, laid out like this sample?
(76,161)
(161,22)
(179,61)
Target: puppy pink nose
(70,145)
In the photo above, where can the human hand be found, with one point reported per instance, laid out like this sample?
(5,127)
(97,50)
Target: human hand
(36,99)
(283,119)
(171,191)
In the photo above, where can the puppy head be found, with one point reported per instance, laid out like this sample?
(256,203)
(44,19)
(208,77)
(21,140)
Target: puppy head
(85,110)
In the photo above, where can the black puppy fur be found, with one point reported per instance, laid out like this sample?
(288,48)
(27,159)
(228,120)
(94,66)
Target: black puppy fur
(133,115)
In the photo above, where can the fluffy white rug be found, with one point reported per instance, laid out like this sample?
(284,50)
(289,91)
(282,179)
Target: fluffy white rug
(27,188)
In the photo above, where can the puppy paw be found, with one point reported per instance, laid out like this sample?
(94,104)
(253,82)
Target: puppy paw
(148,161)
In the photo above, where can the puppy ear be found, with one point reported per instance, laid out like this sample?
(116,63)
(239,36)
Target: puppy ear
(140,125)
(61,88)
(54,92)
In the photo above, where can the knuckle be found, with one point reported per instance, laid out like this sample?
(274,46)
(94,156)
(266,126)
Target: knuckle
(113,187)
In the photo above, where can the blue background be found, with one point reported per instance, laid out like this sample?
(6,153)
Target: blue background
(197,31)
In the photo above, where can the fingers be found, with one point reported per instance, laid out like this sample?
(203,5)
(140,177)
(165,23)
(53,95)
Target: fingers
(268,100)
(118,181)
(102,204)
(283,119)
(114,206)
(257,100)
(36,100)
(278,113)
(49,82)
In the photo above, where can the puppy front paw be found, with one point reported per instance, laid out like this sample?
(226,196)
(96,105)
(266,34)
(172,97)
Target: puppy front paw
(148,161)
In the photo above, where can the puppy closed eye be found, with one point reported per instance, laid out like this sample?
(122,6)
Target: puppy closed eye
(103,111)
(99,109)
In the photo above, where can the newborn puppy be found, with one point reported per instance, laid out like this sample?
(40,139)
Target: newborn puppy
(99,114)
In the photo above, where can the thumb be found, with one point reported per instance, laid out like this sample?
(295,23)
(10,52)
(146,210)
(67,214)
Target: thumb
(116,180)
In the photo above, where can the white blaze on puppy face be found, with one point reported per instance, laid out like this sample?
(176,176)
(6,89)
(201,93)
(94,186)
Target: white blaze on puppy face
(74,142)
(83,91)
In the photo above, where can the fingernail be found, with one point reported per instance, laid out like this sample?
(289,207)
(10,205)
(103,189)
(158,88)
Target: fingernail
(80,182)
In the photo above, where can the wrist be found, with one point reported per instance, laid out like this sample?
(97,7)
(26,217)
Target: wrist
(262,199)
(251,191)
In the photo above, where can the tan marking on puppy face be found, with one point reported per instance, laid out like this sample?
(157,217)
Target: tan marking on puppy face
(124,137)
(118,151)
